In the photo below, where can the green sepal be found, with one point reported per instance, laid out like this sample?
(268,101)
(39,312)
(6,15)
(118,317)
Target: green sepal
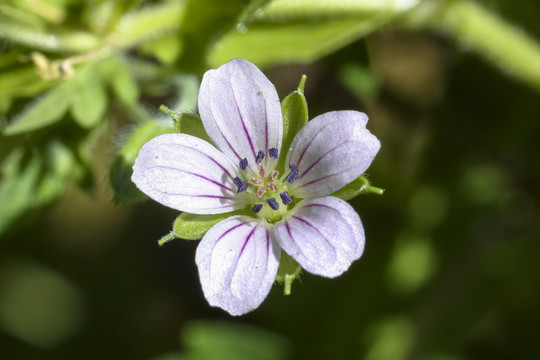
(359,186)
(166,238)
(187,123)
(193,227)
(295,116)
(288,271)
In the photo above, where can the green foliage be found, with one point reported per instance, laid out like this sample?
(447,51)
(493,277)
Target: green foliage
(31,178)
(450,250)
(211,340)
(304,42)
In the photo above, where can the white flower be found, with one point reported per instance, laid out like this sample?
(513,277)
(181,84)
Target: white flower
(238,258)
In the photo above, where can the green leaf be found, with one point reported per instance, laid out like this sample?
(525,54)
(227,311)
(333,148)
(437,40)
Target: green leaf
(305,41)
(166,49)
(150,23)
(89,100)
(204,23)
(295,116)
(193,227)
(33,178)
(46,110)
(121,169)
(121,80)
(359,186)
(17,187)
(214,340)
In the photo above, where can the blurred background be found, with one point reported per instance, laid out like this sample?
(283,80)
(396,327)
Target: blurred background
(451,268)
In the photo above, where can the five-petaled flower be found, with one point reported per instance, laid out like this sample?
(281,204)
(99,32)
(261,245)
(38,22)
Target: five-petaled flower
(238,258)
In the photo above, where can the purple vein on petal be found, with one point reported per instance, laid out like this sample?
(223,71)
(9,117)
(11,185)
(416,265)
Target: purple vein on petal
(326,177)
(333,209)
(265,124)
(293,240)
(209,157)
(194,174)
(240,255)
(321,157)
(309,144)
(224,137)
(317,230)
(218,240)
(243,123)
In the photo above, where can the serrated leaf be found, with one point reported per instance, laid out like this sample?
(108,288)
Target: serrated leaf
(89,101)
(295,116)
(45,111)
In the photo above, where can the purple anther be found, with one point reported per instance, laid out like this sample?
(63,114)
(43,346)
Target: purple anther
(293,175)
(243,164)
(285,198)
(273,203)
(256,208)
(260,156)
(273,153)
(242,186)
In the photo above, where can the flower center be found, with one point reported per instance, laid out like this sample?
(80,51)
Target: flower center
(266,191)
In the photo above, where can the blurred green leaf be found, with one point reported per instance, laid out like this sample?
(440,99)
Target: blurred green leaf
(35,177)
(149,23)
(38,305)
(89,102)
(17,187)
(265,44)
(232,341)
(121,80)
(204,23)
(46,110)
(320,9)
(166,49)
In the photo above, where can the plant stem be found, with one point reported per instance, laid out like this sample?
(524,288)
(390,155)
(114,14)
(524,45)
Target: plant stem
(485,32)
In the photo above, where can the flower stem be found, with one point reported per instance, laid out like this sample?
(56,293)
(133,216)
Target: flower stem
(486,33)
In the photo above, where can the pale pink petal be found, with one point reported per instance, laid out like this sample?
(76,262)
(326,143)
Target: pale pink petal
(237,261)
(240,110)
(332,150)
(187,174)
(323,235)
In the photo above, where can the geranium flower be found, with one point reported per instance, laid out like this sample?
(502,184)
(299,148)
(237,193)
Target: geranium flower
(238,258)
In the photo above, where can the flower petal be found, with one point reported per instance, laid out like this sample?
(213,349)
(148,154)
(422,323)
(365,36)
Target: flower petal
(240,110)
(324,235)
(187,174)
(332,150)
(238,262)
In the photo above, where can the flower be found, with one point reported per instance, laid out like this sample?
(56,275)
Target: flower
(238,258)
